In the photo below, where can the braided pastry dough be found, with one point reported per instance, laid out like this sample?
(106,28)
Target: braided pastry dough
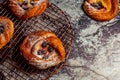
(6,31)
(101,10)
(27,8)
(43,49)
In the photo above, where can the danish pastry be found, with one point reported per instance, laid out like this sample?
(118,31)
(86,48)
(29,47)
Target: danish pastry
(27,8)
(6,31)
(101,10)
(42,49)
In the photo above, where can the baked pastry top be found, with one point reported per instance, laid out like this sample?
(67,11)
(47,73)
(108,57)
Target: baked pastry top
(43,49)
(101,10)
(27,8)
(6,31)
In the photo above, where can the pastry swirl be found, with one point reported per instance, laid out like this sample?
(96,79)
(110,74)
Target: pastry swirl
(27,8)
(101,10)
(6,31)
(42,49)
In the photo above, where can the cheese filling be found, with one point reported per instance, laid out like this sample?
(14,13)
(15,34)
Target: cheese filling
(44,50)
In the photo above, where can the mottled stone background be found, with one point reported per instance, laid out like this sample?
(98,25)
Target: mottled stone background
(96,50)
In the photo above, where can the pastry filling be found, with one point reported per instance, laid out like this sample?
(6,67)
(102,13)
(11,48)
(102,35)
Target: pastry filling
(1,28)
(44,50)
(26,4)
(97,5)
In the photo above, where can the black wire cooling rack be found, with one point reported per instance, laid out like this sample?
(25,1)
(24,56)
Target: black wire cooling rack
(12,65)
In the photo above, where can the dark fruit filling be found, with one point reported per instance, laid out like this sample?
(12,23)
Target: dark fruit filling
(41,52)
(50,48)
(44,44)
(25,4)
(1,28)
(97,5)
(46,50)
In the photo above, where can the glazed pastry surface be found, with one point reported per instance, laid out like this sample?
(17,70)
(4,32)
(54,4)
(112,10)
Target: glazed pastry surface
(43,49)
(6,31)
(27,8)
(101,10)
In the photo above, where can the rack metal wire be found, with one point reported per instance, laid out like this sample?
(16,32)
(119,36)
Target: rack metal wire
(12,64)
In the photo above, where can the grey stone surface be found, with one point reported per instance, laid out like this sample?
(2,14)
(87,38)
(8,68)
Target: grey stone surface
(96,50)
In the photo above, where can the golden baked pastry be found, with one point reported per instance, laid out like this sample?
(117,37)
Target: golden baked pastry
(6,31)
(43,49)
(101,10)
(27,8)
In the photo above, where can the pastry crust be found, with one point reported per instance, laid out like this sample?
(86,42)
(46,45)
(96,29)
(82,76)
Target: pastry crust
(32,44)
(32,11)
(107,11)
(7,33)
